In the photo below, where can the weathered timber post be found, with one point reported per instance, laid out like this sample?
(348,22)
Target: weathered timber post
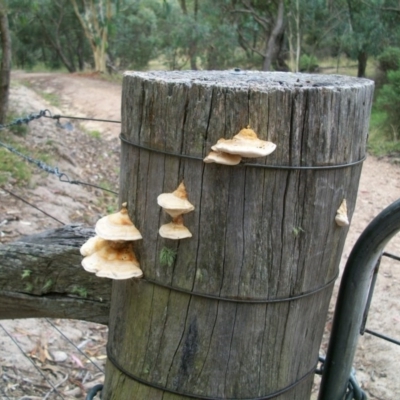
(240,311)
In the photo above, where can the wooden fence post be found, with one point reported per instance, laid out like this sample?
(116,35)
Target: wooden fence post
(239,312)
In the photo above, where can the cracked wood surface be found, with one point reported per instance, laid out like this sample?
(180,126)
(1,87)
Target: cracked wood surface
(41,276)
(259,234)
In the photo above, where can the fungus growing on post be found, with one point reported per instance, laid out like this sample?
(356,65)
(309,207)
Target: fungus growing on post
(92,245)
(175,204)
(175,230)
(115,260)
(220,157)
(341,214)
(110,253)
(117,226)
(245,144)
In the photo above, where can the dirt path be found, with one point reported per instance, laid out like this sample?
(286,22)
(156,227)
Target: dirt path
(81,96)
(93,159)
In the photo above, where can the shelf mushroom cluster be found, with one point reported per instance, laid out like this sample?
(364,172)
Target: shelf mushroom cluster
(109,254)
(244,144)
(341,217)
(175,204)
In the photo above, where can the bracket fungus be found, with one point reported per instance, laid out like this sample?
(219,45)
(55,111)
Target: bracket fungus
(175,204)
(110,253)
(92,245)
(175,230)
(341,217)
(220,157)
(117,226)
(114,260)
(245,144)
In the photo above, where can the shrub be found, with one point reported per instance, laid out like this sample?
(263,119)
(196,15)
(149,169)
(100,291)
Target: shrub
(308,63)
(389,60)
(388,101)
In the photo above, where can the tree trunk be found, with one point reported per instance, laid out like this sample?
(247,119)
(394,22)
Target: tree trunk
(272,49)
(99,59)
(95,27)
(41,276)
(362,59)
(5,62)
(240,311)
(80,47)
(192,50)
(280,62)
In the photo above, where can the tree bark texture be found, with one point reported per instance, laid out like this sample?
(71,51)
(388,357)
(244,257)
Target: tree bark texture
(95,24)
(41,276)
(5,69)
(261,236)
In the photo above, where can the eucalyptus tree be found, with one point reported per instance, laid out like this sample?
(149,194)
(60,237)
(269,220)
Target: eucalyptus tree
(183,33)
(95,17)
(198,34)
(260,27)
(47,31)
(135,36)
(366,31)
(61,33)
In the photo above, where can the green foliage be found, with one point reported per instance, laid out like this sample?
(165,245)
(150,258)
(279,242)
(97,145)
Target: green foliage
(203,34)
(308,63)
(111,209)
(167,257)
(28,287)
(80,291)
(19,130)
(387,103)
(48,284)
(389,59)
(297,230)
(52,98)
(365,32)
(26,273)
(12,167)
(204,37)
(135,37)
(95,134)
(47,33)
(381,141)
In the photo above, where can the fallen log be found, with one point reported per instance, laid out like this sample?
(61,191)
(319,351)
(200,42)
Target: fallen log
(41,276)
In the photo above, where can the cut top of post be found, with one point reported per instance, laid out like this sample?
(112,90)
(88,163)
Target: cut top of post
(315,120)
(263,81)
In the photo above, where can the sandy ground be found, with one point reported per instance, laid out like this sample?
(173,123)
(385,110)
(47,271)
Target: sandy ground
(96,161)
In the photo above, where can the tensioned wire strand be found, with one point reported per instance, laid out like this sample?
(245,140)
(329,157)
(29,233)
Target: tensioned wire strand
(246,164)
(76,347)
(59,116)
(31,205)
(277,393)
(247,301)
(42,165)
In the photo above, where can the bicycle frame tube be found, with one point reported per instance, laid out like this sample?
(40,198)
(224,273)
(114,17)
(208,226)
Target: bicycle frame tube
(352,299)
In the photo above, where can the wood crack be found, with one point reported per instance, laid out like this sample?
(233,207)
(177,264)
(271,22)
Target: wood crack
(230,349)
(179,345)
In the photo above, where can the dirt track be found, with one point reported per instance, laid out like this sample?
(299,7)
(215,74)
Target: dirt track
(376,361)
(81,96)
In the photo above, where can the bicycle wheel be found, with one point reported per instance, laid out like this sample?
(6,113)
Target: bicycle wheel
(352,300)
